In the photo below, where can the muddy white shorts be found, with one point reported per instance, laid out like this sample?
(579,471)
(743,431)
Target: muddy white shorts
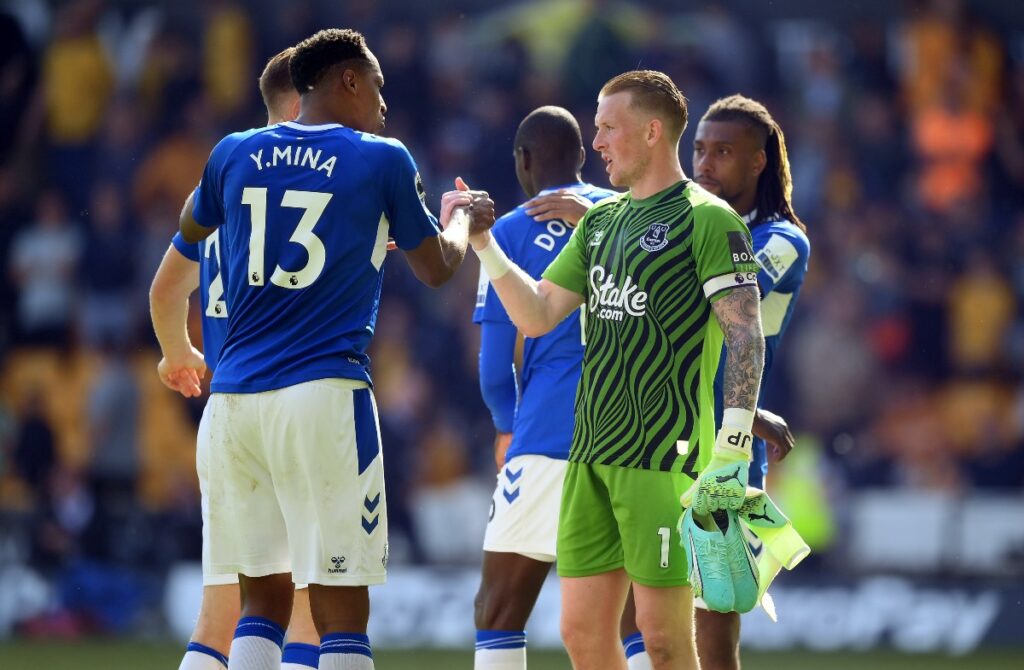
(295,483)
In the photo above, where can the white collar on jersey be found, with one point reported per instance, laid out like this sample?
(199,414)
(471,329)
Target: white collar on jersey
(301,126)
(749,218)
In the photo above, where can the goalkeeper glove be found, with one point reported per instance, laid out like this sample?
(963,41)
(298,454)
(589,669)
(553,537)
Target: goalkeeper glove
(722,485)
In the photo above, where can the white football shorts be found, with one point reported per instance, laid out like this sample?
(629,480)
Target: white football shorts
(525,507)
(202,469)
(295,483)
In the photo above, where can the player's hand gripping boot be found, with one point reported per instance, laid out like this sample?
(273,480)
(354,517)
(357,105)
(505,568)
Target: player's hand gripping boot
(722,484)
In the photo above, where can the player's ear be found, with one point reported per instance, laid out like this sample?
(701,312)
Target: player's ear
(655,129)
(350,80)
(523,157)
(760,161)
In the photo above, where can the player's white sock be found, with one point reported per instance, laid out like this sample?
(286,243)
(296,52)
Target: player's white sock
(500,650)
(200,657)
(636,653)
(345,651)
(298,656)
(257,645)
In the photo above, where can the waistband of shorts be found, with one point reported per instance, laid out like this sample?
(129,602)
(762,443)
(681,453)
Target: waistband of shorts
(340,383)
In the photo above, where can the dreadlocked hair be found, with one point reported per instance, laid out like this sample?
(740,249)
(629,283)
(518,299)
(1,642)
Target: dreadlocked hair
(775,185)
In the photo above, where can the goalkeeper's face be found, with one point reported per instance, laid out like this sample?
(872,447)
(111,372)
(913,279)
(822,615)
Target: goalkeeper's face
(622,138)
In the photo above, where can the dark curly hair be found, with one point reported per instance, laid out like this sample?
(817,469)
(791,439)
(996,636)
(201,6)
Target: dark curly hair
(775,185)
(318,53)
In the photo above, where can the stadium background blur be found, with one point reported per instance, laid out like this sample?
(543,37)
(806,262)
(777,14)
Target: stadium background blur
(902,372)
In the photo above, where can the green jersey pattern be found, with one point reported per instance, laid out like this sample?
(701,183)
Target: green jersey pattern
(649,271)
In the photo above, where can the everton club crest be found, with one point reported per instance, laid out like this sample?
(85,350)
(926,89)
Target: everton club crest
(655,238)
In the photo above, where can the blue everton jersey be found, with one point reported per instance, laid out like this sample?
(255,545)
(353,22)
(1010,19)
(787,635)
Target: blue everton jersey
(211,293)
(552,363)
(304,214)
(782,250)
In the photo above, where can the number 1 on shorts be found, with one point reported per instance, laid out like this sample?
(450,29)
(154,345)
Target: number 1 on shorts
(666,535)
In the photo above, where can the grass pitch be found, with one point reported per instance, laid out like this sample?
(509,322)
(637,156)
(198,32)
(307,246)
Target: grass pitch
(116,654)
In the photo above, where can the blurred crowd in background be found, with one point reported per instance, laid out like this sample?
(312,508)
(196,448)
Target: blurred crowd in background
(902,367)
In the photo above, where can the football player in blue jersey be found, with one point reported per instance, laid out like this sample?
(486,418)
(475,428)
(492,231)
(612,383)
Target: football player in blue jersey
(184,268)
(739,154)
(304,211)
(535,424)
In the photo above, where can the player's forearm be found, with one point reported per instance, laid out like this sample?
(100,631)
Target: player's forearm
(454,241)
(740,317)
(519,292)
(169,314)
(175,280)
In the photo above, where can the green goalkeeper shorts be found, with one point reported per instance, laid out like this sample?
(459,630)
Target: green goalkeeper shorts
(614,517)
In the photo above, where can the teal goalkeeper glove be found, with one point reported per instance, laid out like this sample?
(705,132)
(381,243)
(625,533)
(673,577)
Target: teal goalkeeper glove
(722,485)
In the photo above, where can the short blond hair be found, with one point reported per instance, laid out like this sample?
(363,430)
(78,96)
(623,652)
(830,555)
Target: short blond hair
(654,92)
(276,81)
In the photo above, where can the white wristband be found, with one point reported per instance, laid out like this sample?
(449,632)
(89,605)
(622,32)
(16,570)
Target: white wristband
(493,260)
(735,417)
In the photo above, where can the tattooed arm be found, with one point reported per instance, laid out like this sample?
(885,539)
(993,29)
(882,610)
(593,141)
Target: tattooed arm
(739,315)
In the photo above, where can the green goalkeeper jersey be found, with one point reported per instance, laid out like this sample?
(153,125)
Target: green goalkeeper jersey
(648,271)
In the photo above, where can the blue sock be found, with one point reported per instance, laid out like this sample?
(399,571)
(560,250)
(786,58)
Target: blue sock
(297,655)
(257,644)
(345,651)
(636,652)
(500,650)
(199,657)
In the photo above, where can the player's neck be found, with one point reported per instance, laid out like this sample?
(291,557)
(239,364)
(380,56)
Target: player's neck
(744,203)
(313,113)
(317,118)
(659,176)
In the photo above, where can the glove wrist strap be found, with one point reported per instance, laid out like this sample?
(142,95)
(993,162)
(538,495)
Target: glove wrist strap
(734,444)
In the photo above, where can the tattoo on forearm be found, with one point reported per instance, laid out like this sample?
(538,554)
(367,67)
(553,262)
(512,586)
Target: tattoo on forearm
(739,314)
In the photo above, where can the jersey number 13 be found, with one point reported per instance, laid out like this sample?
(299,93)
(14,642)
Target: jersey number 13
(314,204)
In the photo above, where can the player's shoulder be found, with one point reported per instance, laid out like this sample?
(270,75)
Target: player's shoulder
(608,204)
(511,220)
(512,226)
(594,193)
(781,227)
(375,146)
(708,208)
(232,141)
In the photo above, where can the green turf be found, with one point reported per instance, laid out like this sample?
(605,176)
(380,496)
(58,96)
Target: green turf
(102,655)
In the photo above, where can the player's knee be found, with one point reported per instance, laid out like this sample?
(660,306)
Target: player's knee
(665,646)
(218,617)
(269,597)
(497,608)
(579,634)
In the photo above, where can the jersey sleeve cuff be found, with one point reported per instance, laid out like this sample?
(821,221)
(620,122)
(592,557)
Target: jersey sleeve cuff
(189,251)
(718,285)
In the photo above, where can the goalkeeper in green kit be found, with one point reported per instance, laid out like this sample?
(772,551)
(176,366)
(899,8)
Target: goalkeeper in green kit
(665,273)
